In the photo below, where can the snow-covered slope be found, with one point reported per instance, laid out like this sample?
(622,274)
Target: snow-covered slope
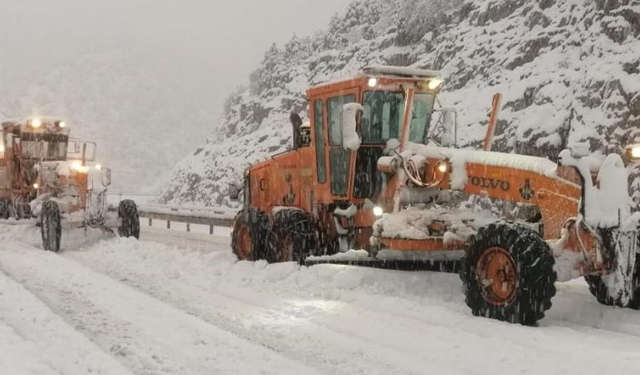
(142,124)
(568,70)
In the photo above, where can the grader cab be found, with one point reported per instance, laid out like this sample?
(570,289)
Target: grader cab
(46,174)
(382,173)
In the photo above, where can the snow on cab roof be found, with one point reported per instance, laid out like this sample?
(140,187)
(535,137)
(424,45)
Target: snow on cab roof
(387,71)
(399,71)
(26,120)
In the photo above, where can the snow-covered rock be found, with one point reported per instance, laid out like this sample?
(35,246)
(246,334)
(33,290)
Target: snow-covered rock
(569,71)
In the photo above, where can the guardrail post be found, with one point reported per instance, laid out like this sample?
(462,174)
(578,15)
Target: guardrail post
(188,227)
(168,224)
(210,228)
(150,222)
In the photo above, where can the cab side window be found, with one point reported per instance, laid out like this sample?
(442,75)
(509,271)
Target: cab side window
(334,108)
(319,132)
(338,156)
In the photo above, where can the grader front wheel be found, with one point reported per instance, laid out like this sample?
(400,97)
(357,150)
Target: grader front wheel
(51,226)
(507,274)
(600,290)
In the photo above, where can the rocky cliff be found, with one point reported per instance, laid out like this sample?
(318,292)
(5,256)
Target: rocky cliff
(569,71)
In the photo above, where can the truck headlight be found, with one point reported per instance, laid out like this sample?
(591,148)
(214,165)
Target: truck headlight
(633,151)
(378,211)
(435,83)
(78,167)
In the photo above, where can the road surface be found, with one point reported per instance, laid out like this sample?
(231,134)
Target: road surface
(179,303)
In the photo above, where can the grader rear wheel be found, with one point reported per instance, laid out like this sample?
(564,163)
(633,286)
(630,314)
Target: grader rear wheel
(5,208)
(507,274)
(50,226)
(248,239)
(128,214)
(292,237)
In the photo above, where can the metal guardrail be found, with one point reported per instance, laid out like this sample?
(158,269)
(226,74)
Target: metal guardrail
(211,216)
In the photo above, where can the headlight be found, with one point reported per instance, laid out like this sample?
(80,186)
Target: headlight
(373,82)
(36,186)
(62,124)
(36,123)
(78,167)
(435,83)
(443,167)
(378,211)
(633,151)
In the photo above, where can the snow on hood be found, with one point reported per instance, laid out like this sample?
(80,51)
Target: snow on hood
(534,164)
(413,223)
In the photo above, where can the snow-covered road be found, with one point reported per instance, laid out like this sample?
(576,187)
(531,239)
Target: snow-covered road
(178,303)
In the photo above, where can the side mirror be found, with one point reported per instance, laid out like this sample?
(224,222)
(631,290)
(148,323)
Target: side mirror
(305,134)
(633,152)
(350,138)
(449,127)
(579,149)
(106,177)
(235,188)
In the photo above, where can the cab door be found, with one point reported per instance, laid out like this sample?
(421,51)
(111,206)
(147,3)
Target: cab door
(339,158)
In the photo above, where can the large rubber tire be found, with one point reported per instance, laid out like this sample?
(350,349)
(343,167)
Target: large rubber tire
(599,289)
(507,274)
(292,237)
(5,208)
(50,226)
(249,236)
(130,220)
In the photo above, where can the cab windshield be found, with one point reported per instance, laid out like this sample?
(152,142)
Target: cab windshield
(381,121)
(383,112)
(45,146)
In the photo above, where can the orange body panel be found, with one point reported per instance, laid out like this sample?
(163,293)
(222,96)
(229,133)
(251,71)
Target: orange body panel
(557,199)
(291,179)
(284,180)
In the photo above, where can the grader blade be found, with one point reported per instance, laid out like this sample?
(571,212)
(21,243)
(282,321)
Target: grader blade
(449,266)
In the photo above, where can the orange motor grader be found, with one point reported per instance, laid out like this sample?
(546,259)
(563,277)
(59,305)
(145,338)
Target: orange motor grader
(47,175)
(367,173)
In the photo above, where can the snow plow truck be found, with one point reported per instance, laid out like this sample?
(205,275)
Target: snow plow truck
(377,169)
(47,175)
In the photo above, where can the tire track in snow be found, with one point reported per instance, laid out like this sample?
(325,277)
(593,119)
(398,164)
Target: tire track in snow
(146,335)
(42,342)
(381,338)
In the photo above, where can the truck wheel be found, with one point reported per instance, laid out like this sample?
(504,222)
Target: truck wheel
(248,238)
(292,237)
(128,214)
(5,209)
(507,274)
(51,227)
(599,289)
